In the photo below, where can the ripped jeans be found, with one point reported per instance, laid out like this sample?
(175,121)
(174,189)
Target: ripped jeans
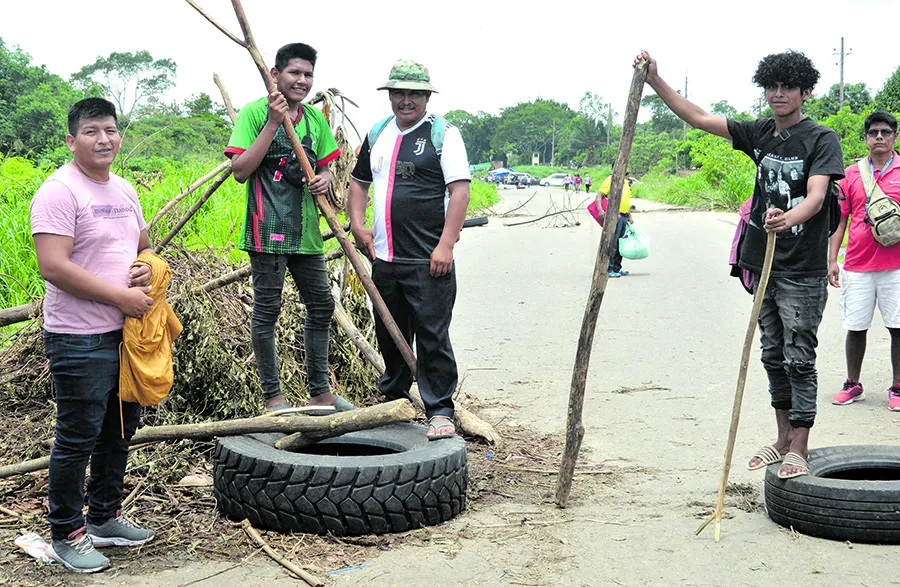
(788,321)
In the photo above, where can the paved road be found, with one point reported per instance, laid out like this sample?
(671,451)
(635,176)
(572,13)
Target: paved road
(673,328)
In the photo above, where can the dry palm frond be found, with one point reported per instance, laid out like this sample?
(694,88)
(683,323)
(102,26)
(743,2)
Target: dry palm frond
(342,166)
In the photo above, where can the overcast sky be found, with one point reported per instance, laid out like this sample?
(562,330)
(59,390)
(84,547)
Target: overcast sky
(482,55)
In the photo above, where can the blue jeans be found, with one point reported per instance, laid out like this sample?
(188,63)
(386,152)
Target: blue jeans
(615,258)
(85,372)
(422,307)
(788,322)
(311,278)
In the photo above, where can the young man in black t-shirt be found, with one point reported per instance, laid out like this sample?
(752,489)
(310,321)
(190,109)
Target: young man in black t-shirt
(796,162)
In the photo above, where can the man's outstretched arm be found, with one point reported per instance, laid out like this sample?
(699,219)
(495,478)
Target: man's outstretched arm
(681,106)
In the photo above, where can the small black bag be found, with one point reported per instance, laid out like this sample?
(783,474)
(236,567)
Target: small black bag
(292,171)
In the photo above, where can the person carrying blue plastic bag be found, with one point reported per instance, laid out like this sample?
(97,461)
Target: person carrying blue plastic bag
(615,257)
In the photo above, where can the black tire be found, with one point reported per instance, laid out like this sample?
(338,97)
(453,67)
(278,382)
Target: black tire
(476,221)
(841,509)
(419,483)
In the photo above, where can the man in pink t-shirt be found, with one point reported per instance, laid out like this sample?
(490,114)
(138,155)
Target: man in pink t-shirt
(88,229)
(871,271)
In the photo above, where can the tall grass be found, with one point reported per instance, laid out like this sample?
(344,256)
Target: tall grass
(216,226)
(19,179)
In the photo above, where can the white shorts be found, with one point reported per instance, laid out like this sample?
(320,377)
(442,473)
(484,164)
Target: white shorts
(860,290)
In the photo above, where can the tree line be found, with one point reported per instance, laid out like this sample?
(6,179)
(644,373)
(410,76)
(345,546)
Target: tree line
(34,102)
(589,136)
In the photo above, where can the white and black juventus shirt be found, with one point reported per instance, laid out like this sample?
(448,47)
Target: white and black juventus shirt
(410,187)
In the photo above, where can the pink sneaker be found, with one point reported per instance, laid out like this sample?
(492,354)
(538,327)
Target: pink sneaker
(894,398)
(852,392)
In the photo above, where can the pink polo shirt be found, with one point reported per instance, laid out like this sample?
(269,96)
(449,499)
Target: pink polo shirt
(863,251)
(106,221)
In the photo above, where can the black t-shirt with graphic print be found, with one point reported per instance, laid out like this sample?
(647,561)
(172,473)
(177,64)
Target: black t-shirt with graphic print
(781,176)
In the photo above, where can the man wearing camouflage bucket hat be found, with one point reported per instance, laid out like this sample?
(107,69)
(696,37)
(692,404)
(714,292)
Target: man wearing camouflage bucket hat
(417,163)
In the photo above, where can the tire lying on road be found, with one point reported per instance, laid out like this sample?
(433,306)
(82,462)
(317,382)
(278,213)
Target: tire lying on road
(388,479)
(851,493)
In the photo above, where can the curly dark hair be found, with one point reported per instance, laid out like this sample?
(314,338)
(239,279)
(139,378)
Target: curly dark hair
(791,68)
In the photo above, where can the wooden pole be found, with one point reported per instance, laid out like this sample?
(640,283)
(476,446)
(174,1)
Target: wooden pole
(468,422)
(574,427)
(33,310)
(225,98)
(345,323)
(353,420)
(316,426)
(190,189)
(250,45)
(193,210)
(739,392)
(21,312)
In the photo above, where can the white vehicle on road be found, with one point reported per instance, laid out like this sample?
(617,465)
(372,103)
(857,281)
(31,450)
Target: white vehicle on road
(556,179)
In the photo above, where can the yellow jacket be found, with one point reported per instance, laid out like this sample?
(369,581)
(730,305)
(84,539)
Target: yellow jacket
(625,202)
(145,366)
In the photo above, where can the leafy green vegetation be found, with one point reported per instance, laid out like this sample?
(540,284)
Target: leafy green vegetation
(167,146)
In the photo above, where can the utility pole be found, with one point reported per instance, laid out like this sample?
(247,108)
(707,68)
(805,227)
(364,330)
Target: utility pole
(608,124)
(684,129)
(552,145)
(841,63)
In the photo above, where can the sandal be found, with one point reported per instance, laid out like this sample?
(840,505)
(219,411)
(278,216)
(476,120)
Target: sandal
(795,460)
(769,455)
(447,423)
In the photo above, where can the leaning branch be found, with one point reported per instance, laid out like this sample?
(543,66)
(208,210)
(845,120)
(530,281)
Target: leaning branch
(216,24)
(187,216)
(190,189)
(225,97)
(574,425)
(314,426)
(257,538)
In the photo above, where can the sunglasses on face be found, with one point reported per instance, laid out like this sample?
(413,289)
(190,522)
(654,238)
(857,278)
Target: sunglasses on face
(885,132)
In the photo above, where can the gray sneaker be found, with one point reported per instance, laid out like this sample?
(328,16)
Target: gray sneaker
(76,553)
(118,531)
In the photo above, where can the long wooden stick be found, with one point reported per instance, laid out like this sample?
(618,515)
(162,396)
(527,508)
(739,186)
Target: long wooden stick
(25,312)
(739,392)
(21,312)
(574,426)
(225,98)
(330,216)
(189,190)
(468,422)
(305,576)
(193,210)
(319,426)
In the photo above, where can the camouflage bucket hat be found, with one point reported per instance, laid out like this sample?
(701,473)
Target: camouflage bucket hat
(408,75)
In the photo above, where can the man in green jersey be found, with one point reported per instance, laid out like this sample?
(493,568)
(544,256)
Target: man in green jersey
(281,225)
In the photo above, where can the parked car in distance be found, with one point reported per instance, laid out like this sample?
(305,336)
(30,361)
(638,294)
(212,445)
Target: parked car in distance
(555,179)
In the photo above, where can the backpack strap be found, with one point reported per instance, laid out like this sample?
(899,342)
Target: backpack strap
(782,137)
(438,130)
(377,129)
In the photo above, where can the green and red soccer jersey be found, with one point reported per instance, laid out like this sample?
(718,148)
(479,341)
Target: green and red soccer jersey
(281,217)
